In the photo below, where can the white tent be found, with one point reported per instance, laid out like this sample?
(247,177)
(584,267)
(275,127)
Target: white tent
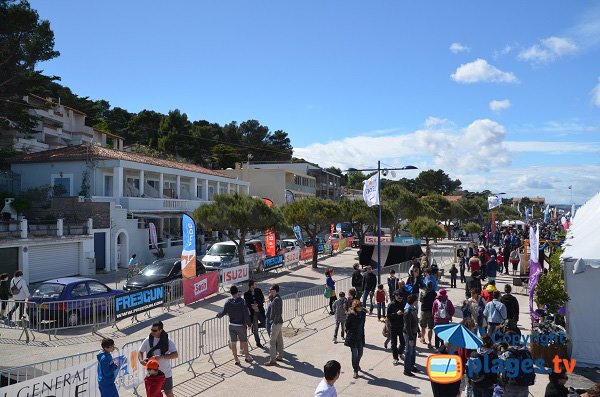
(581,259)
(517,222)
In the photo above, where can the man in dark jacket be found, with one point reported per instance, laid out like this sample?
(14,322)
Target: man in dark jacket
(368,288)
(411,332)
(511,303)
(357,280)
(239,320)
(276,318)
(474,282)
(491,268)
(506,255)
(256,304)
(395,315)
(426,314)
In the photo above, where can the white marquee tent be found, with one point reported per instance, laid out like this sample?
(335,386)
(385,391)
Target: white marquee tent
(581,259)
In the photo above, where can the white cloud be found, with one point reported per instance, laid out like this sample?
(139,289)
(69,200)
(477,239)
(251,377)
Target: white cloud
(498,106)
(480,71)
(548,50)
(596,94)
(553,147)
(528,181)
(432,122)
(506,50)
(457,47)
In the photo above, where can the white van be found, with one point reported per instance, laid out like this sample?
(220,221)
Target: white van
(291,244)
(224,254)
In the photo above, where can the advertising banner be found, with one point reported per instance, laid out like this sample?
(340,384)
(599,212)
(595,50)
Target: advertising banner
(306,253)
(153,236)
(188,253)
(298,232)
(291,258)
(335,244)
(349,241)
(200,287)
(342,244)
(139,301)
(79,380)
(273,262)
(234,275)
(270,244)
(373,239)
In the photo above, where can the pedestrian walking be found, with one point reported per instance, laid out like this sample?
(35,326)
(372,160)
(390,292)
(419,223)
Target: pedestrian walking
(491,269)
(339,307)
(276,342)
(426,321)
(411,333)
(473,308)
(20,293)
(482,381)
(453,272)
(107,369)
(368,288)
(357,280)
(443,311)
(556,387)
(392,283)
(429,277)
(330,289)
(511,303)
(331,373)
(355,334)
(475,264)
(380,299)
(395,316)
(506,256)
(255,300)
(495,312)
(239,322)
(160,347)
(462,268)
(268,316)
(4,294)
(514,260)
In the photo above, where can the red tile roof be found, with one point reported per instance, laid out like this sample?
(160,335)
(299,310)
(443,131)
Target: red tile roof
(84,152)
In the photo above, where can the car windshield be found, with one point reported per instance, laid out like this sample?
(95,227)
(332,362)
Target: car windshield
(158,269)
(49,291)
(222,249)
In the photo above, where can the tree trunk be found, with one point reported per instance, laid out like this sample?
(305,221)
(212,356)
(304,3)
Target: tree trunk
(315,254)
(241,249)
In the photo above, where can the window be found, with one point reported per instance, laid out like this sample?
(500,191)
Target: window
(211,192)
(97,288)
(62,185)
(79,291)
(108,185)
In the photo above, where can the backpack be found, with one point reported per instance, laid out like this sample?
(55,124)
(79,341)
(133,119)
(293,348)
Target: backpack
(515,353)
(481,379)
(442,309)
(14,290)
(328,293)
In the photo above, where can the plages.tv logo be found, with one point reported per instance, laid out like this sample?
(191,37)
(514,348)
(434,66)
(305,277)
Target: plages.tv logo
(444,368)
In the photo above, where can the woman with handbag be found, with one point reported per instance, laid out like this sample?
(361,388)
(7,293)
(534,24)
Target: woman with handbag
(330,289)
(355,334)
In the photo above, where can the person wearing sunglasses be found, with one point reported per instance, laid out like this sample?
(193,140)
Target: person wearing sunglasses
(159,347)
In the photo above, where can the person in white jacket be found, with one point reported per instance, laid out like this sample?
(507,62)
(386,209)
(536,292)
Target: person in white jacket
(19,284)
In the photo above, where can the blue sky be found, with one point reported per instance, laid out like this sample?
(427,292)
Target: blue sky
(499,94)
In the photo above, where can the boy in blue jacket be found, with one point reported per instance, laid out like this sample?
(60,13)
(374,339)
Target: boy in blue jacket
(107,369)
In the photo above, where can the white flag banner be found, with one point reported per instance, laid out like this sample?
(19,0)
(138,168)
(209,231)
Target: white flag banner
(494,201)
(371,191)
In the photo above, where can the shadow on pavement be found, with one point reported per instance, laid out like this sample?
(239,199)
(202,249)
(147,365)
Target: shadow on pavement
(389,383)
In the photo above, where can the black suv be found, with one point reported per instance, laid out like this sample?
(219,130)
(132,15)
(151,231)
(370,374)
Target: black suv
(159,272)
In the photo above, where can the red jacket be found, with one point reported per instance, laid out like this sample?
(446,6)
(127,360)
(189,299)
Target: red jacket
(380,296)
(154,385)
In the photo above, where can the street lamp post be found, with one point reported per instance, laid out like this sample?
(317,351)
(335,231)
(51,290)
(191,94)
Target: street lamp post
(378,169)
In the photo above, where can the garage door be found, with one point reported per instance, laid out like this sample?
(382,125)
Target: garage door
(53,261)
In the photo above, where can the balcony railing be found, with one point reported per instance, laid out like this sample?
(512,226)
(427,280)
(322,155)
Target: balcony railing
(36,228)
(153,204)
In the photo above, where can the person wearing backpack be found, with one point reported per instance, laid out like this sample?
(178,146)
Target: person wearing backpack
(495,312)
(517,386)
(482,381)
(20,293)
(443,311)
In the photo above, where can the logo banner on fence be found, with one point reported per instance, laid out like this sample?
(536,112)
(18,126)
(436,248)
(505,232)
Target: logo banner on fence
(291,258)
(235,275)
(306,253)
(188,253)
(273,262)
(79,380)
(136,302)
(200,287)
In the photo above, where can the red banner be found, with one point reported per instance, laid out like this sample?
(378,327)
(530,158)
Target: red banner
(335,244)
(349,241)
(270,244)
(200,287)
(306,253)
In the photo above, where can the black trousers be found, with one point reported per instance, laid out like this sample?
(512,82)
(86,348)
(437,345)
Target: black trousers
(395,336)
(453,281)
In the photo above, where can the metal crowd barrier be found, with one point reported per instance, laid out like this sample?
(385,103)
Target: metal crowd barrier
(290,308)
(31,371)
(173,293)
(214,335)
(309,300)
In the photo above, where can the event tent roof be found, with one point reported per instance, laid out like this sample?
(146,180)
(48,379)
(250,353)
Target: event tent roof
(581,244)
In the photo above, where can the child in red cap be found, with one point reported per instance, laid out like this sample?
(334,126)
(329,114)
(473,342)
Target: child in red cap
(155,379)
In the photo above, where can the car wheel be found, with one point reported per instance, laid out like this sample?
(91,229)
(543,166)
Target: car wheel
(73,318)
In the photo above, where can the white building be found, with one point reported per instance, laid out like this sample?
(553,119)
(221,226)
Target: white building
(135,190)
(58,126)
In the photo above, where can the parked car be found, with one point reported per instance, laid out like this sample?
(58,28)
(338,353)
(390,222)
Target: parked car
(159,272)
(225,254)
(69,301)
(291,244)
